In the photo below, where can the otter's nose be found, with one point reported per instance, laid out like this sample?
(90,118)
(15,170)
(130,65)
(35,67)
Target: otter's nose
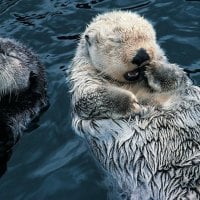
(140,57)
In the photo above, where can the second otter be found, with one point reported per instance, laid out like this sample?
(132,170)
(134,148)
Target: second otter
(22,93)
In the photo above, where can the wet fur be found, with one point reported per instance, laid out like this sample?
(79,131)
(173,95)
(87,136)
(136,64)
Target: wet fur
(156,156)
(104,55)
(153,155)
(22,93)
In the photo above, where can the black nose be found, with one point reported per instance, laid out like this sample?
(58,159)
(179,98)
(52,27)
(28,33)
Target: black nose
(140,57)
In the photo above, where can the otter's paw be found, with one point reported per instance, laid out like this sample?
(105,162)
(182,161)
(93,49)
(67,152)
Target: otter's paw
(130,106)
(154,77)
(163,77)
(135,107)
(124,104)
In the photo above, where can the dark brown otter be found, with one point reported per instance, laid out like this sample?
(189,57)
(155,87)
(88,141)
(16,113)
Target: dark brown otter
(22,94)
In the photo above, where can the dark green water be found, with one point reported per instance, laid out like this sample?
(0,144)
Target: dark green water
(51,162)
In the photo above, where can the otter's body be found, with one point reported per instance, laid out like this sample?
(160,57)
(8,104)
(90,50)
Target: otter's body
(118,67)
(156,156)
(22,92)
(139,113)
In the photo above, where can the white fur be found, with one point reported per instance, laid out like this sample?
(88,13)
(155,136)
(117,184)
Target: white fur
(115,38)
(154,155)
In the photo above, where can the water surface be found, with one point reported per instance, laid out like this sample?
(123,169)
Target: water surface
(51,162)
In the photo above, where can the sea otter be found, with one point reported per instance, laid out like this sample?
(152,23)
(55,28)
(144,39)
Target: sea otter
(139,113)
(22,93)
(111,73)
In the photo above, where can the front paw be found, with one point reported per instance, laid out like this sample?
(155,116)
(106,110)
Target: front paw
(127,105)
(163,77)
(153,76)
(135,107)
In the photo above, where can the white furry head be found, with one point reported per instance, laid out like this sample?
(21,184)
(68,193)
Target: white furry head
(119,48)
(119,42)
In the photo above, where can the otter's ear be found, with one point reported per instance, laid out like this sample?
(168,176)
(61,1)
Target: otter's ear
(92,38)
(87,38)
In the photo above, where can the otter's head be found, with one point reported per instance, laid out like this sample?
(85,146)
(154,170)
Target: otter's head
(119,43)
(14,73)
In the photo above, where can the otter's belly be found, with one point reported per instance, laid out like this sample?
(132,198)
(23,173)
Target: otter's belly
(156,154)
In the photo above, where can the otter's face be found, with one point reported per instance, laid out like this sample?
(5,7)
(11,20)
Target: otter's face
(13,74)
(120,44)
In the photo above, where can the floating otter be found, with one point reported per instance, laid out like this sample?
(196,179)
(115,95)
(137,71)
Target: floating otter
(22,93)
(139,113)
(111,73)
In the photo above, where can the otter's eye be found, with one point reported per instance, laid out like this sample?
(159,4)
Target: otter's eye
(132,75)
(116,40)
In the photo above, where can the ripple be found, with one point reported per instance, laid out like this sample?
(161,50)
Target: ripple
(69,37)
(5,5)
(30,19)
(88,5)
(138,5)
(83,5)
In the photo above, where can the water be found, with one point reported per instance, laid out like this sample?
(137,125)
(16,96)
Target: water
(51,162)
